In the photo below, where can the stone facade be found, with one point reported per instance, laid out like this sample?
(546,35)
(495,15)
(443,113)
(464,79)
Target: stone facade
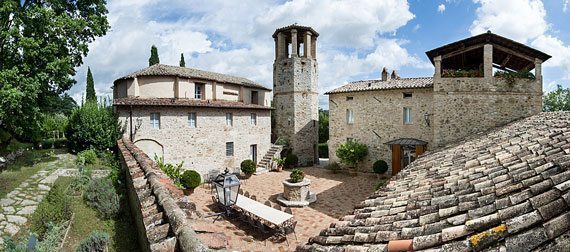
(444,109)
(171,98)
(378,118)
(295,97)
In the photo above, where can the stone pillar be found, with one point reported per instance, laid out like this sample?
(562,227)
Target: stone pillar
(314,47)
(214,90)
(538,69)
(294,44)
(276,48)
(488,61)
(307,43)
(437,63)
(281,46)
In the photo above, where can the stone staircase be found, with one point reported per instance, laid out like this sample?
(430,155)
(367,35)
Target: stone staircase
(264,165)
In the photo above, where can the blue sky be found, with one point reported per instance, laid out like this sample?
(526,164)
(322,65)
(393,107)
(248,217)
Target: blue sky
(357,38)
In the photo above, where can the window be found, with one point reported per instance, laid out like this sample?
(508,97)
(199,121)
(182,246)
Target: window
(407,115)
(349,116)
(198,91)
(407,95)
(192,120)
(155,120)
(229,149)
(229,119)
(253,119)
(349,98)
(254,97)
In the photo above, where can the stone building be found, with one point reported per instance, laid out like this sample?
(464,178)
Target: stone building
(400,118)
(295,91)
(208,120)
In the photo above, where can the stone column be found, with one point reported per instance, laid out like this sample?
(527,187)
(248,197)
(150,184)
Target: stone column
(314,47)
(538,69)
(276,48)
(437,63)
(294,44)
(281,45)
(488,61)
(307,43)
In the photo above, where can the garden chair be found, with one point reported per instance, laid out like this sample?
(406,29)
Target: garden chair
(277,206)
(246,194)
(288,210)
(268,203)
(253,197)
(261,227)
(290,229)
(240,191)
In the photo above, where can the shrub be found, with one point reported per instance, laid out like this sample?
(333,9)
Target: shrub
(89,156)
(323,150)
(80,181)
(248,167)
(101,195)
(191,179)
(380,166)
(296,176)
(291,160)
(53,143)
(52,239)
(351,152)
(92,126)
(55,208)
(174,172)
(96,242)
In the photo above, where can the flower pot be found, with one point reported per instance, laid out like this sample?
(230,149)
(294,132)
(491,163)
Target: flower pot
(279,168)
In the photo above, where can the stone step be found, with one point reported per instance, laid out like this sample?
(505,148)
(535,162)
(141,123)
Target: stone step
(158,233)
(260,171)
(166,245)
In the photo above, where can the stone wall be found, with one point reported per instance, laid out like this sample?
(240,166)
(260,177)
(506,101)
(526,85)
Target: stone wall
(296,105)
(378,118)
(162,225)
(466,106)
(202,148)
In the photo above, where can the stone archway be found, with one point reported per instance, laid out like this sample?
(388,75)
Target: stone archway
(150,147)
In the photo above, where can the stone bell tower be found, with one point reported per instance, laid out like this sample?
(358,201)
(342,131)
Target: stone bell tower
(295,91)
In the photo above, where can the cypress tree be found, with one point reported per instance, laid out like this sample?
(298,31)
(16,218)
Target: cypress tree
(182,62)
(153,60)
(90,93)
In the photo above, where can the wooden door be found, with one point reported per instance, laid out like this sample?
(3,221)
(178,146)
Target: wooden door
(396,159)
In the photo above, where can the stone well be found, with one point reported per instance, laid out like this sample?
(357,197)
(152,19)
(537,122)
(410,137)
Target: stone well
(296,194)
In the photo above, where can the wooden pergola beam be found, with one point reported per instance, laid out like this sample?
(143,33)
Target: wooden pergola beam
(464,50)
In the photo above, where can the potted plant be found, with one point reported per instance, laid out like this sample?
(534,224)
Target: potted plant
(279,162)
(351,153)
(247,167)
(296,176)
(190,179)
(380,167)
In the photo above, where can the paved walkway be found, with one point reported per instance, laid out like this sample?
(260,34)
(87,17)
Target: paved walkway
(16,207)
(337,194)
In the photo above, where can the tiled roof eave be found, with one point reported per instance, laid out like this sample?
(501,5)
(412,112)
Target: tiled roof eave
(374,89)
(186,103)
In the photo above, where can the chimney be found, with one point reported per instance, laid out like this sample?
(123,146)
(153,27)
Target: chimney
(384,74)
(394,75)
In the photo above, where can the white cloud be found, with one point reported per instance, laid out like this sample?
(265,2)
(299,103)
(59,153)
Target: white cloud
(234,37)
(522,21)
(441,8)
(555,47)
(565,5)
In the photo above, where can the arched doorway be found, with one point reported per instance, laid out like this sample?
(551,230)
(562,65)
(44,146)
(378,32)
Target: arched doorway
(150,147)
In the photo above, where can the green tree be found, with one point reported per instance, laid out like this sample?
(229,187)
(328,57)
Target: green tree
(60,104)
(153,60)
(556,100)
(90,95)
(41,42)
(182,62)
(92,126)
(323,126)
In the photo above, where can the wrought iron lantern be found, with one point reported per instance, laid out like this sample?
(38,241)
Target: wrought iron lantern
(227,189)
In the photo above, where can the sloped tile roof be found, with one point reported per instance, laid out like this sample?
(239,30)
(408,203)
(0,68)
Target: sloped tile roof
(183,102)
(508,189)
(399,83)
(167,70)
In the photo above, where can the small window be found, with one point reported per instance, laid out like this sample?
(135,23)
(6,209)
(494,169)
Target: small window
(407,95)
(229,119)
(155,120)
(349,116)
(253,119)
(198,92)
(407,115)
(229,149)
(349,98)
(254,97)
(192,120)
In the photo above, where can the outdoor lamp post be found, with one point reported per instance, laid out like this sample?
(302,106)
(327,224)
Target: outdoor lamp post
(227,189)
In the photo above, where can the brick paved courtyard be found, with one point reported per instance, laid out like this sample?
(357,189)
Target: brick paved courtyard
(337,195)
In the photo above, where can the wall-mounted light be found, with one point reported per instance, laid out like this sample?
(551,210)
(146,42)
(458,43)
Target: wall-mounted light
(426,118)
(139,123)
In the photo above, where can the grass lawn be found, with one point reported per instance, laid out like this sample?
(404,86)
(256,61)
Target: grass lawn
(22,168)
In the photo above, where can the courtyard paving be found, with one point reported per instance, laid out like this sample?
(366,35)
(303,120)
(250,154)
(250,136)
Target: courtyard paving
(16,207)
(337,194)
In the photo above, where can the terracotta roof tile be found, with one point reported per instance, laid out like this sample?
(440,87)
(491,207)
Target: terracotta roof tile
(398,83)
(183,102)
(167,70)
(506,189)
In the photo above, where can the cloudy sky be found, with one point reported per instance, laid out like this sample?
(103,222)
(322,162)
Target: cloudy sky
(357,38)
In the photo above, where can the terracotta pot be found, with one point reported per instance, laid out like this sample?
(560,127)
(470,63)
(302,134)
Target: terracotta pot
(188,191)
